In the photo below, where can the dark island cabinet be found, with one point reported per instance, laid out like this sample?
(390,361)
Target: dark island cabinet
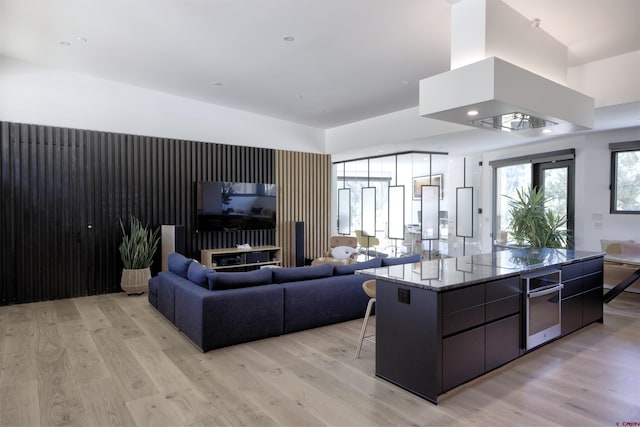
(462,309)
(463,335)
(431,338)
(462,357)
(476,329)
(502,342)
(481,329)
(582,294)
(408,342)
(571,314)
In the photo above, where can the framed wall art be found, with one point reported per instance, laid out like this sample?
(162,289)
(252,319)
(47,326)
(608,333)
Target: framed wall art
(419,181)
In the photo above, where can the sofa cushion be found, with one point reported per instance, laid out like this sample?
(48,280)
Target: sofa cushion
(199,274)
(221,318)
(166,294)
(319,302)
(630,249)
(401,260)
(613,247)
(296,274)
(340,270)
(219,281)
(179,264)
(154,283)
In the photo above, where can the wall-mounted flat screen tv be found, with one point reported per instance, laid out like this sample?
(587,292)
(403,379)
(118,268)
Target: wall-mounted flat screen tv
(233,206)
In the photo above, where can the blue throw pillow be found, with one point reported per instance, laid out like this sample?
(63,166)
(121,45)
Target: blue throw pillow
(339,270)
(401,260)
(219,281)
(296,274)
(179,264)
(199,274)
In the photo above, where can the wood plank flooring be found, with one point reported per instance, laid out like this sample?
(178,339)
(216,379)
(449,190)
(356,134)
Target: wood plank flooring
(113,360)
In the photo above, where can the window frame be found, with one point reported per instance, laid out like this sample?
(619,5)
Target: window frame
(538,162)
(616,148)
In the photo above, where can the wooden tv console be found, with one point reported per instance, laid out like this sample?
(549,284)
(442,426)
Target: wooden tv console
(240,259)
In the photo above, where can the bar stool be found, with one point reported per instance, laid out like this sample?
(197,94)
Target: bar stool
(370,289)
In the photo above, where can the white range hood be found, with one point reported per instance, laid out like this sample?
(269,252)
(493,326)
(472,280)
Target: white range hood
(497,95)
(487,38)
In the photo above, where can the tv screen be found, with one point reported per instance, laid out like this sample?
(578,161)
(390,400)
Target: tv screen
(232,206)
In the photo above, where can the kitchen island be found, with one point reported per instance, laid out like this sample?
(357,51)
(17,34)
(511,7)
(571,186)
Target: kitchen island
(441,323)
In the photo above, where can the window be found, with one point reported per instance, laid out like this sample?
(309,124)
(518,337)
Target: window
(398,171)
(509,179)
(625,177)
(552,172)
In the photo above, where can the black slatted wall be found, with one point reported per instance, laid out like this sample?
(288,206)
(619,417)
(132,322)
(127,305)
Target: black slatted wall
(64,191)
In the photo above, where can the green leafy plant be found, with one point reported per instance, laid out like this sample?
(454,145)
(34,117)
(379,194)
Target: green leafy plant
(139,244)
(531,223)
(227,192)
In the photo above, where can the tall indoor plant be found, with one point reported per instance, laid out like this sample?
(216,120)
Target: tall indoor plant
(531,223)
(138,247)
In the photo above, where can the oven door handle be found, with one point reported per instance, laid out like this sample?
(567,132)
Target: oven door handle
(545,292)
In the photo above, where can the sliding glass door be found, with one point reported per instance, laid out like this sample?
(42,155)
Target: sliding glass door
(556,181)
(551,172)
(508,180)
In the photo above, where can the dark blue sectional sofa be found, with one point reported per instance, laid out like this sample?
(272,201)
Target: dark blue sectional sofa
(217,309)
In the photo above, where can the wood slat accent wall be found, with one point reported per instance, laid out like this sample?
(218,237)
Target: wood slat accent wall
(64,190)
(304,194)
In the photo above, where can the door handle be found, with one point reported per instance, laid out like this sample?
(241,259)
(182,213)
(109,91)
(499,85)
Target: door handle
(545,292)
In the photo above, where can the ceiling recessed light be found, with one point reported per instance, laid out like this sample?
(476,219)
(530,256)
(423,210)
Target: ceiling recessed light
(288,38)
(217,83)
(81,39)
(472,113)
(64,43)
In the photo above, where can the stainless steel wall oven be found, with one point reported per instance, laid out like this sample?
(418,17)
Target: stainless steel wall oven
(542,306)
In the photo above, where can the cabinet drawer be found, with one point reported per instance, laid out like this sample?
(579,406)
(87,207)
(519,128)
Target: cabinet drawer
(462,299)
(503,307)
(582,284)
(578,269)
(593,281)
(501,289)
(572,271)
(502,341)
(462,309)
(571,310)
(461,320)
(462,357)
(592,306)
(572,287)
(593,266)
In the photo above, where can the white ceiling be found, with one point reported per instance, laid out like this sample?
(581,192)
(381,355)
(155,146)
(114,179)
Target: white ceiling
(350,60)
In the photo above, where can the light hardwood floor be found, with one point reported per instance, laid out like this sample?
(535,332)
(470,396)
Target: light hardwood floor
(114,360)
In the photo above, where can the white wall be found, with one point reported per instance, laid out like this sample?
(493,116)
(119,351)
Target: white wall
(610,81)
(38,95)
(465,172)
(592,174)
(386,134)
(33,94)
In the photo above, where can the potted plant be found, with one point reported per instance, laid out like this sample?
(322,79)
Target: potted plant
(227,192)
(531,223)
(138,247)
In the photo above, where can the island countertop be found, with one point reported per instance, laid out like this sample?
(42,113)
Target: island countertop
(450,273)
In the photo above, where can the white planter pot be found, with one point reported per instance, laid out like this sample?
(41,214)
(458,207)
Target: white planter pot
(135,281)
